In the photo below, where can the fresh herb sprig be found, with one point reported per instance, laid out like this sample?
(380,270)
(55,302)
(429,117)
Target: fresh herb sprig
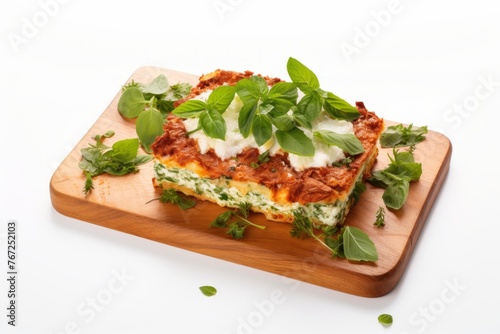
(174,197)
(396,178)
(150,103)
(315,98)
(403,168)
(348,242)
(236,221)
(399,135)
(264,107)
(210,112)
(120,159)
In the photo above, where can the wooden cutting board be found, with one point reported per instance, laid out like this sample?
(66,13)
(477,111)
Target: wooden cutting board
(119,203)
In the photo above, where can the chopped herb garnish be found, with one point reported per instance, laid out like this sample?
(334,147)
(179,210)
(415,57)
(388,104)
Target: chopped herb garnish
(344,162)
(262,158)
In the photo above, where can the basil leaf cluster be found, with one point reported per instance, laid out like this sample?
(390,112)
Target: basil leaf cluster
(276,109)
(210,112)
(400,135)
(396,178)
(150,103)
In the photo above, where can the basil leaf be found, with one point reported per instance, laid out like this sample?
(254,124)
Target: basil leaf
(131,102)
(302,76)
(339,108)
(248,91)
(283,122)
(261,84)
(190,108)
(301,119)
(395,194)
(213,124)
(283,91)
(165,106)
(295,141)
(408,170)
(142,159)
(347,142)
(399,135)
(403,165)
(90,153)
(220,98)
(401,156)
(149,125)
(157,86)
(391,137)
(262,129)
(125,150)
(245,119)
(379,179)
(310,106)
(89,166)
(208,290)
(358,246)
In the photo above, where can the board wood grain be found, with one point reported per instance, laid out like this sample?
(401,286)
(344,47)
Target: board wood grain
(121,203)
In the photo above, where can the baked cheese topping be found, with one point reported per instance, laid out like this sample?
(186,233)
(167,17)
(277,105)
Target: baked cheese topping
(235,143)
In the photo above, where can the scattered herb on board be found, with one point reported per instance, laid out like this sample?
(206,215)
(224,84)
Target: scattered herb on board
(236,221)
(119,159)
(399,135)
(380,217)
(174,197)
(396,177)
(208,290)
(385,319)
(348,242)
(150,103)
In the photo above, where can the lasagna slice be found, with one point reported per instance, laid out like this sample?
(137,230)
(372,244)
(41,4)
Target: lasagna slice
(274,182)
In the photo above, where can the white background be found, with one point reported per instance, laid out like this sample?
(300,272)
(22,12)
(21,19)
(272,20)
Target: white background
(423,62)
